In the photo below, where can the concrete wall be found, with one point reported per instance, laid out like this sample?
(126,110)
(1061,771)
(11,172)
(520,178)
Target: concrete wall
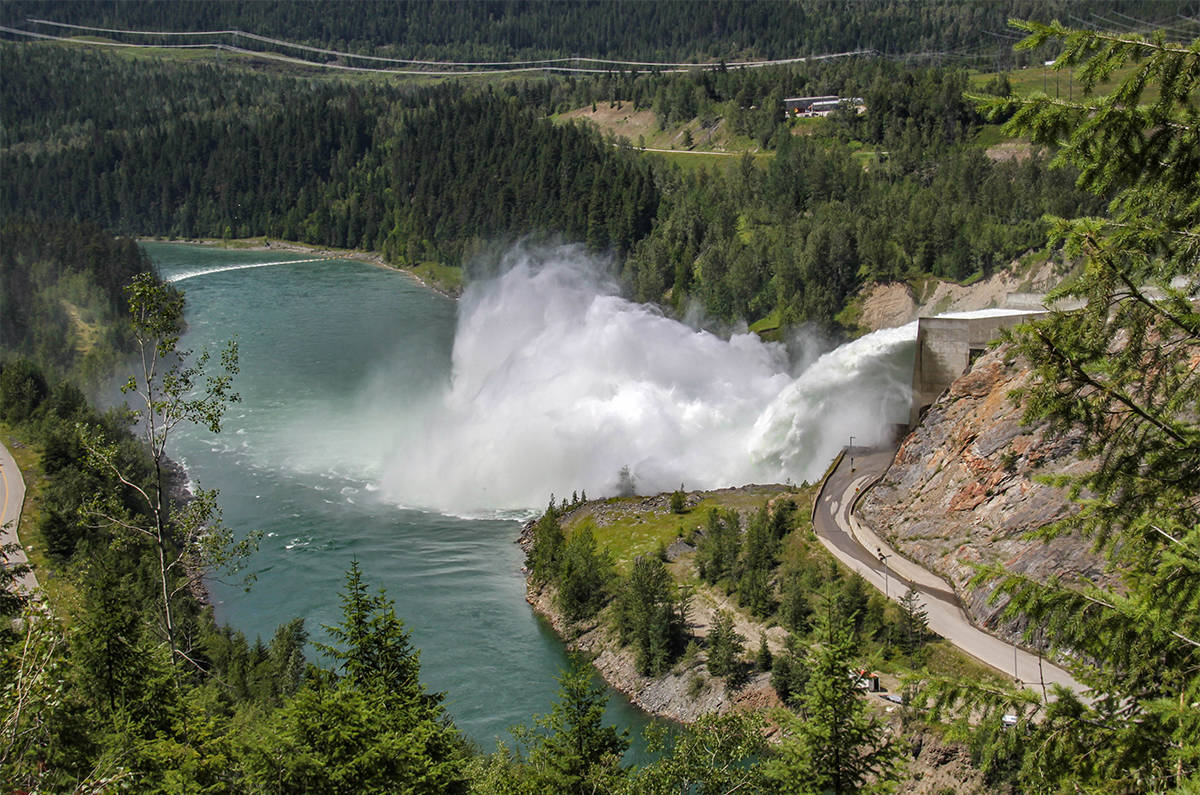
(946,347)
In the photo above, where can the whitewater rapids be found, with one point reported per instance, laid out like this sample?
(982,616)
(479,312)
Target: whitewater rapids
(557,383)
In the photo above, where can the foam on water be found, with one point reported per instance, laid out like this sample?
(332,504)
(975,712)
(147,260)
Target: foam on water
(558,383)
(179,276)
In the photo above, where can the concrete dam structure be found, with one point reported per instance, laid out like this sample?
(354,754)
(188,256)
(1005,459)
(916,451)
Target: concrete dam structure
(946,348)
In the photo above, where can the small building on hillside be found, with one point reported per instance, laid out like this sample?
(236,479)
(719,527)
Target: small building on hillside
(818,106)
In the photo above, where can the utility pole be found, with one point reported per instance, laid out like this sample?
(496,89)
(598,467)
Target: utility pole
(883,559)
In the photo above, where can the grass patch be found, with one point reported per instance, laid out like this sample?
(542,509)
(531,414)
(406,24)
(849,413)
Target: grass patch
(942,657)
(807,125)
(767,327)
(62,596)
(440,275)
(850,315)
(628,528)
(1062,84)
(694,161)
(990,135)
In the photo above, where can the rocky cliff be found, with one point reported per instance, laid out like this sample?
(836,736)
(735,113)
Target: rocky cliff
(964,489)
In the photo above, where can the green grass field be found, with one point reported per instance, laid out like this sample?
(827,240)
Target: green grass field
(628,528)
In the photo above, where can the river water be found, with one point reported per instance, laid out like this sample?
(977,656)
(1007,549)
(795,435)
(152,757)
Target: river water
(383,423)
(330,352)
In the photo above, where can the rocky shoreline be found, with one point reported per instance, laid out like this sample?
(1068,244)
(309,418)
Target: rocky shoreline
(672,696)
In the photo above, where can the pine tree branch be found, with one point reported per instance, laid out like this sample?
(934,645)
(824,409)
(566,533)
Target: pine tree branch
(1113,393)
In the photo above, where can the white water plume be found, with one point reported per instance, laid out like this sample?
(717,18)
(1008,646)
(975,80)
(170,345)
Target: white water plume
(557,383)
(188,274)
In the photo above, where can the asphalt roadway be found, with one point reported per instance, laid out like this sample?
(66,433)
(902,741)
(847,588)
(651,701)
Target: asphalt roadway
(12,497)
(857,546)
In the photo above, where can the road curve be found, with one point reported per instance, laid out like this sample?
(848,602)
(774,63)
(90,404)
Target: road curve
(857,546)
(12,497)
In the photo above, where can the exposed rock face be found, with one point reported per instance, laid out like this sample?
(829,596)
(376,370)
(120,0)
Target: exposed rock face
(962,490)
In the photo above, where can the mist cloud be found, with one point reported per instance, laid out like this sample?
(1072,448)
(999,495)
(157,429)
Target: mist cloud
(557,383)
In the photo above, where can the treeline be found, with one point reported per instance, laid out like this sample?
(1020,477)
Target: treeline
(767,562)
(799,237)
(61,289)
(103,694)
(728,29)
(440,173)
(420,174)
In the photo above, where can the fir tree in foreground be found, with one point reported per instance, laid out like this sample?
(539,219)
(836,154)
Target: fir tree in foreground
(1123,369)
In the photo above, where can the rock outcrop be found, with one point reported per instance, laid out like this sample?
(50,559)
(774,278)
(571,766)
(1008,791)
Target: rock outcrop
(965,489)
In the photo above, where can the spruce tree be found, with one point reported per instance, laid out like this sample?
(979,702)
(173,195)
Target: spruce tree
(838,745)
(1122,371)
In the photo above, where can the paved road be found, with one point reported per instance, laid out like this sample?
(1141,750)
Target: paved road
(857,546)
(12,497)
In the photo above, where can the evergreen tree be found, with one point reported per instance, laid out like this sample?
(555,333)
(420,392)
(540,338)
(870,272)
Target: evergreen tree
(790,673)
(717,552)
(1122,370)
(650,615)
(574,752)
(545,554)
(758,560)
(585,576)
(836,745)
(370,726)
(914,621)
(725,646)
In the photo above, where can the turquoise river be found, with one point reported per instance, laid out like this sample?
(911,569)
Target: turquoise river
(329,350)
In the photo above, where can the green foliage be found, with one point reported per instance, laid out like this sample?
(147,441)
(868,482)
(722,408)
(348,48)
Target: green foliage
(914,622)
(339,738)
(716,755)
(171,389)
(764,659)
(545,553)
(725,646)
(22,390)
(717,552)
(1121,372)
(371,645)
(759,558)
(650,614)
(790,673)
(585,577)
(61,288)
(678,501)
(569,750)
(835,744)
(371,727)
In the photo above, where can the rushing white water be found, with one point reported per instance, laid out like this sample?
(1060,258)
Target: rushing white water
(557,383)
(188,274)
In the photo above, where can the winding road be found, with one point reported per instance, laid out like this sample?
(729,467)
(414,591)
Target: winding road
(12,497)
(859,547)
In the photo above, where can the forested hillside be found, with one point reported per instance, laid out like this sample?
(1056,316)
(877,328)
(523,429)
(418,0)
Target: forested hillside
(441,172)
(62,293)
(626,29)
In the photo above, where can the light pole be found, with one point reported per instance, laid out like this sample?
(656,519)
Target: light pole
(851,453)
(883,559)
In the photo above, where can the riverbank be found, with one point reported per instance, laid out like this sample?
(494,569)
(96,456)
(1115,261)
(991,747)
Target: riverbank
(442,279)
(933,762)
(687,691)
